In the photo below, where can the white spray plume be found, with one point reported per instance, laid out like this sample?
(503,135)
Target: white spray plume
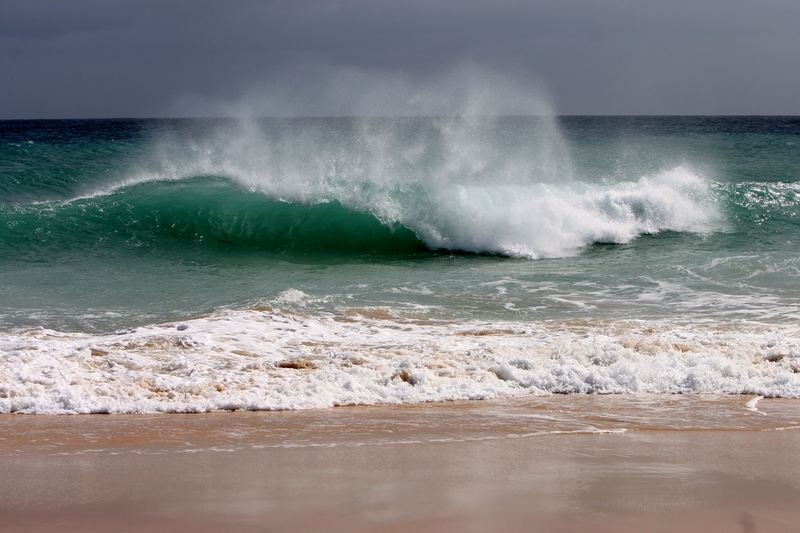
(463,90)
(487,170)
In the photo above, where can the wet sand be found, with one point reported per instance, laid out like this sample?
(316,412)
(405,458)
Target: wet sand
(568,463)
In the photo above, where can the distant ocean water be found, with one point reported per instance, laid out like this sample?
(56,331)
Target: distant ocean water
(190,265)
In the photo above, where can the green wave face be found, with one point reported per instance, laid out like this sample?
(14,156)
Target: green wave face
(216,212)
(207,211)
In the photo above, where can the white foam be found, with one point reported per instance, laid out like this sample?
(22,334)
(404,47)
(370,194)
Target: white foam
(752,405)
(549,220)
(292,297)
(238,360)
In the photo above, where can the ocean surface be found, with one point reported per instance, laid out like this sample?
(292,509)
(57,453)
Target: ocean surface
(195,265)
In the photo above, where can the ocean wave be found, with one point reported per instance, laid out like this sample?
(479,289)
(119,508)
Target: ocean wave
(206,210)
(267,358)
(530,220)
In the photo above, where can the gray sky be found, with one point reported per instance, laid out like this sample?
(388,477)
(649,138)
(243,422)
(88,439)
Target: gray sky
(112,58)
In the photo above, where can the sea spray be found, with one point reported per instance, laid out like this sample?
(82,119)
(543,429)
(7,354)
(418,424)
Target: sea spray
(474,183)
(468,177)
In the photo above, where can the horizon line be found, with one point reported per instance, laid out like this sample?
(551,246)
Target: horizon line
(319,117)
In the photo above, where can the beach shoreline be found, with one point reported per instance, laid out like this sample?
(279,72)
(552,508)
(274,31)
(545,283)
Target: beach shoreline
(560,463)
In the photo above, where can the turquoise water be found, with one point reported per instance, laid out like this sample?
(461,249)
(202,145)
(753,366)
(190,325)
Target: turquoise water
(112,224)
(196,265)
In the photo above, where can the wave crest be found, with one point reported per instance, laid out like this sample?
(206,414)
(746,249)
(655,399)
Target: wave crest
(522,220)
(546,220)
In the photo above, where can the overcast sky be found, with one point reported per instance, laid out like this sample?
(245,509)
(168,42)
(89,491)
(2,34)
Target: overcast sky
(142,58)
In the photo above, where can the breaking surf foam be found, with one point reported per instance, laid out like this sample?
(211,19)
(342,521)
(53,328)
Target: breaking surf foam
(270,359)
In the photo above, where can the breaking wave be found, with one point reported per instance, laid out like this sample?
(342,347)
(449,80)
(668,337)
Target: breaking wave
(522,220)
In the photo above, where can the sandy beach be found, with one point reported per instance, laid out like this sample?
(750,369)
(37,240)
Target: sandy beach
(605,463)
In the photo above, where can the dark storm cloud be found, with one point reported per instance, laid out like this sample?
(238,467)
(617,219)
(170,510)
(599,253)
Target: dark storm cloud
(88,58)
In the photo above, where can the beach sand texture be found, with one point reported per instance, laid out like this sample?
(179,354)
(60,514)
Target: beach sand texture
(562,463)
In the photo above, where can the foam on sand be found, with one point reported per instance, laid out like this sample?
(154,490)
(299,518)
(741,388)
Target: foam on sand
(271,359)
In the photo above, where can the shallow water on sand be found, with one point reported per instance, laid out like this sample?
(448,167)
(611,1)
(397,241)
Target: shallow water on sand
(414,424)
